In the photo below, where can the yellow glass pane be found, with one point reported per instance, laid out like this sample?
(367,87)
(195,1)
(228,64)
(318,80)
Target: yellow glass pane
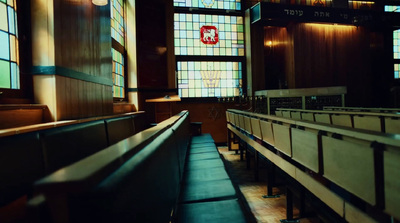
(17,50)
(3,17)
(13,49)
(10,2)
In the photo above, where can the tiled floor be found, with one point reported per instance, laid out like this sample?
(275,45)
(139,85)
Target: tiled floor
(265,210)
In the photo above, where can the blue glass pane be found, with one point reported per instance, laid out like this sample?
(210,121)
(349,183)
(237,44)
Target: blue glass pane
(14,76)
(11,22)
(4,46)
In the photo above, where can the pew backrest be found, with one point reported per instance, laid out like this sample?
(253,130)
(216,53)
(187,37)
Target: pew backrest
(135,180)
(29,153)
(68,144)
(21,163)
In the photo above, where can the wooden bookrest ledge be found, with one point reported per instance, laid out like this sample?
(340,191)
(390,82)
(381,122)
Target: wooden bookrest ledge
(362,165)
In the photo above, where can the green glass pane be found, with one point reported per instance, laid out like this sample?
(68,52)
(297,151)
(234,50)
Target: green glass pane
(5,80)
(5,1)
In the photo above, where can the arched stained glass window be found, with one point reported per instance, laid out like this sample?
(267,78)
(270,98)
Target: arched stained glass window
(9,58)
(118,54)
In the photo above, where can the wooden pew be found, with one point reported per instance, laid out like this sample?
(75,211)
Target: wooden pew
(140,178)
(30,152)
(364,164)
(89,189)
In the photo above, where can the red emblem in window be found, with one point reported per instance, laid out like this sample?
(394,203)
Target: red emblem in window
(209,35)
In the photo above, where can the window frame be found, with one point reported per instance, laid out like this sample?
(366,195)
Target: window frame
(121,49)
(25,92)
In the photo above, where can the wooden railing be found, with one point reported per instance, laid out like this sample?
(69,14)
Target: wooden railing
(381,122)
(364,164)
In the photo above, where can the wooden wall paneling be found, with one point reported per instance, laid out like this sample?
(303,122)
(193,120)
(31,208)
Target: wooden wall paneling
(65,98)
(74,94)
(342,120)
(305,148)
(372,123)
(82,104)
(392,182)
(282,138)
(348,164)
(328,55)
(276,48)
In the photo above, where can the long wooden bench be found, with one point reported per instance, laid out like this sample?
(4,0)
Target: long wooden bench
(160,174)
(31,152)
(352,171)
(381,122)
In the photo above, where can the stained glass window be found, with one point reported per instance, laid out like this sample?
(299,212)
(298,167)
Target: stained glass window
(189,41)
(392,8)
(396,52)
(396,44)
(9,58)
(117,21)
(209,78)
(118,35)
(118,74)
(213,4)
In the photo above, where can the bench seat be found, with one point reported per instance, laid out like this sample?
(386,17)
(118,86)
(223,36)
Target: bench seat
(202,164)
(203,150)
(203,156)
(214,211)
(203,138)
(208,191)
(205,174)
